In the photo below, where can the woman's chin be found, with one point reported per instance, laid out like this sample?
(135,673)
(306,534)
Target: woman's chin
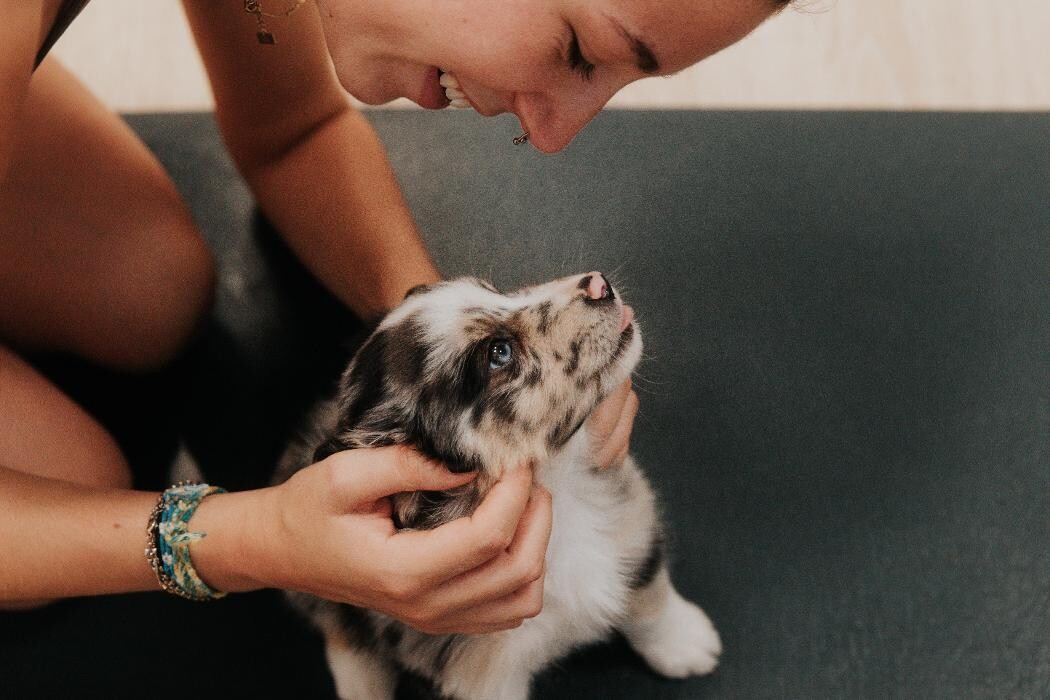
(373,95)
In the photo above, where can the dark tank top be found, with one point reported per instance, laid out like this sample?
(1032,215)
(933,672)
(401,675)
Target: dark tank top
(67,12)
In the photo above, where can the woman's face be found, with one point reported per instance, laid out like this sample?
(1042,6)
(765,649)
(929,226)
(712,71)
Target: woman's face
(553,63)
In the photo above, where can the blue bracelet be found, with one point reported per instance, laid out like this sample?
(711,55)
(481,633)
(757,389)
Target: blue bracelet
(168,549)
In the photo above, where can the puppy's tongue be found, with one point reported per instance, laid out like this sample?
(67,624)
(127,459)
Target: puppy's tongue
(628,316)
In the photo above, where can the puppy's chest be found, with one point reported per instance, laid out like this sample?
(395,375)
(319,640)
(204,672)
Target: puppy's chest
(585,579)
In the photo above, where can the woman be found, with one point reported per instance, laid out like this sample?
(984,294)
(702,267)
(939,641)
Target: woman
(99,257)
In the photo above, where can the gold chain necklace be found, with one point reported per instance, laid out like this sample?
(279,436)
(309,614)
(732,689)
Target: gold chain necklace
(262,33)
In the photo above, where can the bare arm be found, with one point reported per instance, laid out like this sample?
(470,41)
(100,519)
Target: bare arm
(314,163)
(325,531)
(63,539)
(19,31)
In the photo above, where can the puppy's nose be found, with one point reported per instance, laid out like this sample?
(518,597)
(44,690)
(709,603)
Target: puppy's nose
(596,286)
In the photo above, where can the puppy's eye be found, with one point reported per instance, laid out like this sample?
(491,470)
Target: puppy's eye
(500,354)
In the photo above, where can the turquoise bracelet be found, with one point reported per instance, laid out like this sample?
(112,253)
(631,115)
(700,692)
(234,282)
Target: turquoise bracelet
(169,539)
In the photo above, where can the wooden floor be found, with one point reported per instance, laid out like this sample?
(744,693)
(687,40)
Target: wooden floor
(885,54)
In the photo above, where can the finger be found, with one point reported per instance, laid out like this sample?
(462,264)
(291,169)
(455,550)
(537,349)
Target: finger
(522,564)
(620,436)
(506,613)
(360,477)
(605,417)
(435,556)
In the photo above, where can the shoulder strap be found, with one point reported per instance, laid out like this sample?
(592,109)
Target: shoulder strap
(67,12)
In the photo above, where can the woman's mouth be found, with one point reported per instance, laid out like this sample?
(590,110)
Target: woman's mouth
(455,95)
(433,94)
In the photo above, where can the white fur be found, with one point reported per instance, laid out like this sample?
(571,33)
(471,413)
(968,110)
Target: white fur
(358,674)
(674,636)
(586,594)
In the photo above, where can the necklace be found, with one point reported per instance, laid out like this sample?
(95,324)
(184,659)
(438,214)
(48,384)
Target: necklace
(262,32)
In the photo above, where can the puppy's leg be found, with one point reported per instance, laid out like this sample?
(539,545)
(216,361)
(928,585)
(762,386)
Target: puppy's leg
(674,636)
(358,674)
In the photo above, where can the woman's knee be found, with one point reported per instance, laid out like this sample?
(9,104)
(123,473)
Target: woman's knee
(110,266)
(160,303)
(169,307)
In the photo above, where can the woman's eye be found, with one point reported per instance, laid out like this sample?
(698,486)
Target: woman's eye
(576,60)
(500,354)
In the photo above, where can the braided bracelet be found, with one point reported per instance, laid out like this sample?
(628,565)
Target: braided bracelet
(168,541)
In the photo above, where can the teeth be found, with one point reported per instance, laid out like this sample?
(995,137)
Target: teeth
(449,81)
(456,97)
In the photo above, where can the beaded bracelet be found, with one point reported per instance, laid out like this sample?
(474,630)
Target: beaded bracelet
(168,541)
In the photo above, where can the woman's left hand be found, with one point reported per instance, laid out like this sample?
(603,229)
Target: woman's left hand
(610,426)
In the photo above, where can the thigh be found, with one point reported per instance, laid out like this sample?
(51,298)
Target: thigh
(43,432)
(98,254)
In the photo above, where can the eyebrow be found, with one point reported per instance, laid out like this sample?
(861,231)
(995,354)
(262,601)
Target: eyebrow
(644,57)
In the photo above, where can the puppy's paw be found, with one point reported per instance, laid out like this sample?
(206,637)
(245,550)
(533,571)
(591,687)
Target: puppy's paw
(681,642)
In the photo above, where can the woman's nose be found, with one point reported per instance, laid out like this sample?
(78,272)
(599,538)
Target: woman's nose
(552,123)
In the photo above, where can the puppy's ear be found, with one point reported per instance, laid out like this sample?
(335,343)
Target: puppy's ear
(418,289)
(363,385)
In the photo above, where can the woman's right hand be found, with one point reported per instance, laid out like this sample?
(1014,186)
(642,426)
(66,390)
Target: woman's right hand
(328,531)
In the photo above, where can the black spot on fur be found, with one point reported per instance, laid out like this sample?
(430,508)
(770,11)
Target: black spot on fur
(476,414)
(445,653)
(412,686)
(434,439)
(544,311)
(359,627)
(468,380)
(392,635)
(648,567)
(533,377)
(365,382)
(406,353)
(625,340)
(501,406)
(574,356)
(565,429)
(430,509)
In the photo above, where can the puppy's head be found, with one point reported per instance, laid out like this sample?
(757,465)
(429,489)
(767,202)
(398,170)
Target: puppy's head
(482,380)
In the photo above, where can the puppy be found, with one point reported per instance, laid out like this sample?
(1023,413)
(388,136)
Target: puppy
(480,380)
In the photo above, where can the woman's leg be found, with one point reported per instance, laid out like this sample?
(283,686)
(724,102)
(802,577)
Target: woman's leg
(98,257)
(98,254)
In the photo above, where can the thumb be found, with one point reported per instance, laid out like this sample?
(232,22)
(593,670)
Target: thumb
(363,476)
